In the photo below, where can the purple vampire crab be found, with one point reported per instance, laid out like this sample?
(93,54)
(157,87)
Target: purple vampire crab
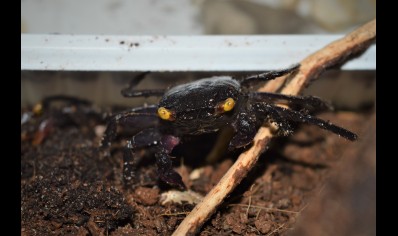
(205,106)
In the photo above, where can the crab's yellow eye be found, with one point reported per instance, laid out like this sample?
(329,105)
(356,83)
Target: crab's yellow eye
(228,104)
(225,106)
(165,114)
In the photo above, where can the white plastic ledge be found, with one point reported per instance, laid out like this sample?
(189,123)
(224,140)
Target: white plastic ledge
(175,53)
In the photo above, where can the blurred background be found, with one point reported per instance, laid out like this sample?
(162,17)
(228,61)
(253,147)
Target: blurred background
(181,17)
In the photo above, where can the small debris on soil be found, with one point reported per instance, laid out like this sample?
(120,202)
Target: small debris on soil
(179,197)
(146,196)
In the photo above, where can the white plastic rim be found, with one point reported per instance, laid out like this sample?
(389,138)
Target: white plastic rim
(176,53)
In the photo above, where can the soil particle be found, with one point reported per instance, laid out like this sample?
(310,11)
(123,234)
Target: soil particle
(232,222)
(283,203)
(263,226)
(295,199)
(147,196)
(123,231)
(94,229)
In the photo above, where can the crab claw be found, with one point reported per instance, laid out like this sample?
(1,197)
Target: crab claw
(166,171)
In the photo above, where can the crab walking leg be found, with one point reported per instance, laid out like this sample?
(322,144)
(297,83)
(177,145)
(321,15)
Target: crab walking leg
(309,103)
(142,93)
(145,117)
(285,126)
(146,138)
(166,172)
(128,164)
(164,163)
(303,118)
(63,98)
(163,144)
(132,92)
(268,75)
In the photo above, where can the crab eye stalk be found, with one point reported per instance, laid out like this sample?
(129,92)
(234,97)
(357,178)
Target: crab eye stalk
(165,114)
(225,106)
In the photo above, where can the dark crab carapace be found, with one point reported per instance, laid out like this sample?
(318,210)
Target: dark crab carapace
(205,106)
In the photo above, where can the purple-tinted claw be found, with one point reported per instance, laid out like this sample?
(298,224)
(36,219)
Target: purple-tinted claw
(172,178)
(245,128)
(169,142)
(166,171)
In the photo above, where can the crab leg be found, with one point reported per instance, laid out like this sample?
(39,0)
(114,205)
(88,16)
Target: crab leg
(146,138)
(245,128)
(309,103)
(275,112)
(131,92)
(164,144)
(145,117)
(268,75)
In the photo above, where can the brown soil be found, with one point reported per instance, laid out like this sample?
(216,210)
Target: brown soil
(69,187)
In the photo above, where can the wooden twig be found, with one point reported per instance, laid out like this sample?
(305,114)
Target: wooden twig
(265,208)
(333,54)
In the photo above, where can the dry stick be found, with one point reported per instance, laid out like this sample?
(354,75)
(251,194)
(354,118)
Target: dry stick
(311,67)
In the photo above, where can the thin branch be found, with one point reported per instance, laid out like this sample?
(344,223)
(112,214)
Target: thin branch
(265,208)
(333,54)
(276,230)
(175,214)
